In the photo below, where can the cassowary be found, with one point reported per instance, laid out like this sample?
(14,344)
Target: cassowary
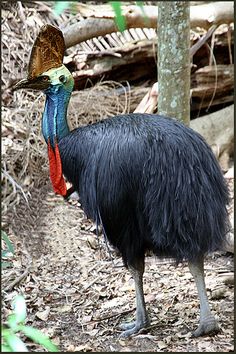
(150,181)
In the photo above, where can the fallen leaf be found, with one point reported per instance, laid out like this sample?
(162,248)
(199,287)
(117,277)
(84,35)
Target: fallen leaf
(43,315)
(112,303)
(87,319)
(56,341)
(161,344)
(83,348)
(123,341)
(93,332)
(219,293)
(64,308)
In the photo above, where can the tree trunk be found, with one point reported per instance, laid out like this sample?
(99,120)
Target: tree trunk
(174,60)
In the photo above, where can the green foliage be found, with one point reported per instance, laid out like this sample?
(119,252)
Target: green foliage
(8,252)
(11,341)
(141,5)
(60,6)
(120,20)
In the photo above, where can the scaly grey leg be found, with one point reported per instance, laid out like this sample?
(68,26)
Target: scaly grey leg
(208,322)
(142,320)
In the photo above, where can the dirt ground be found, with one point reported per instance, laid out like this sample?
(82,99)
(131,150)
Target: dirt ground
(78,292)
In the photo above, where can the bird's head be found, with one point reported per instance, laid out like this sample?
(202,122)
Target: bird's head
(50,81)
(46,70)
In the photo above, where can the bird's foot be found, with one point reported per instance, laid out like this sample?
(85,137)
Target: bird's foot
(127,325)
(132,328)
(207,325)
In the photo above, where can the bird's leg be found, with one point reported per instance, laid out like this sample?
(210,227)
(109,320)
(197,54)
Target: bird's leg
(208,322)
(142,320)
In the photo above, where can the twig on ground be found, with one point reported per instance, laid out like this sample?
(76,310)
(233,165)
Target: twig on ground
(17,280)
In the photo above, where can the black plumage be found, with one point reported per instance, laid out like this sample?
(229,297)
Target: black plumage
(152,183)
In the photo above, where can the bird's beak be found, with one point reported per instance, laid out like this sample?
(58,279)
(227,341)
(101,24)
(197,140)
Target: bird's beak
(34,84)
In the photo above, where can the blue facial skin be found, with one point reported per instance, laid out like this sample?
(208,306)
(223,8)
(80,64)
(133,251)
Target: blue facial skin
(54,124)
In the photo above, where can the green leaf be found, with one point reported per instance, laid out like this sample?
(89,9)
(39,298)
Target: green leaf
(39,337)
(120,19)
(6,265)
(19,308)
(73,7)
(141,5)
(5,348)
(60,6)
(14,342)
(10,247)
(12,322)
(5,253)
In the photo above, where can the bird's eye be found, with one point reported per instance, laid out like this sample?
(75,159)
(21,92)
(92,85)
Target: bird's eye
(62,78)
(45,78)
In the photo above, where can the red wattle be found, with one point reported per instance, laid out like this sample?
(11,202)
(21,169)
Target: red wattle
(56,176)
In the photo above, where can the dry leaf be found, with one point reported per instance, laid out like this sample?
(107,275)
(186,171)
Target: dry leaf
(93,332)
(218,293)
(64,308)
(112,303)
(162,345)
(123,341)
(43,315)
(83,348)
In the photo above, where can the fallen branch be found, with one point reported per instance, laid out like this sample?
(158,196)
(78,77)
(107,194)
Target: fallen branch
(218,132)
(201,41)
(149,101)
(111,316)
(17,280)
(228,279)
(213,79)
(101,21)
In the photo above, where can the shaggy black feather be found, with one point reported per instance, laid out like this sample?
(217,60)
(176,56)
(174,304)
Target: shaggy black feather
(152,182)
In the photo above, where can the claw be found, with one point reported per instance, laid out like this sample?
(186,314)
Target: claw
(127,326)
(132,328)
(208,325)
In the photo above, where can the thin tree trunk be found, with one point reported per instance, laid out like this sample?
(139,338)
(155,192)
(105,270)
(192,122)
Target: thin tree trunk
(174,60)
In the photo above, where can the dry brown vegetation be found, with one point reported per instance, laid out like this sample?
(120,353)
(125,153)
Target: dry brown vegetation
(76,291)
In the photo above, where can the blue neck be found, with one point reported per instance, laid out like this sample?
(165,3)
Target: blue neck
(55,113)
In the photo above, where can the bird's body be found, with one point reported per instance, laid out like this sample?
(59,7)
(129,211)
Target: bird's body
(153,183)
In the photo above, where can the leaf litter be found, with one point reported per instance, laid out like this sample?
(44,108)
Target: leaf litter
(78,292)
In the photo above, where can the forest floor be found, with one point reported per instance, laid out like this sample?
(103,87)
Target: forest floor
(78,292)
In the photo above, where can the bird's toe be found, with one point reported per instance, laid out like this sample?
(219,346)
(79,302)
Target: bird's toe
(131,331)
(127,326)
(208,325)
(133,328)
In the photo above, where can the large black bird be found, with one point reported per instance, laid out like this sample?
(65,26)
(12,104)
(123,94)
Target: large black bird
(150,181)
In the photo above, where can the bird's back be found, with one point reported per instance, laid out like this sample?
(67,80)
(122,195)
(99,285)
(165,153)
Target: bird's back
(152,182)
